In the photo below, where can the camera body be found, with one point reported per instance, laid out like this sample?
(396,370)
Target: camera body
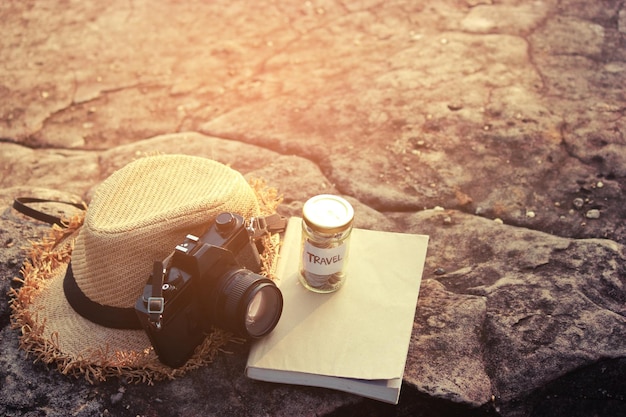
(206,281)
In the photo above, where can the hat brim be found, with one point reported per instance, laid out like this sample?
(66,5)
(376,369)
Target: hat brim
(58,336)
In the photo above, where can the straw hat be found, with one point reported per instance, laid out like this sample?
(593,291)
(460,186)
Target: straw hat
(137,215)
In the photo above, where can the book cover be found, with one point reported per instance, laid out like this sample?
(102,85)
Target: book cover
(356,339)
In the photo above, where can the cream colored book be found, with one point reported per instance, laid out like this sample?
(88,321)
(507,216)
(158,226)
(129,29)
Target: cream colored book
(356,339)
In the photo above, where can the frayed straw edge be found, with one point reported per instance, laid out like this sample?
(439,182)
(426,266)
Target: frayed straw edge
(268,197)
(44,258)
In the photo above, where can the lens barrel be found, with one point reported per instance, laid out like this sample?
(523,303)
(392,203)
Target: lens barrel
(247,303)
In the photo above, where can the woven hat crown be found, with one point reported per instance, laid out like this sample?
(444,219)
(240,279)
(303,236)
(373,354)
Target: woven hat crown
(141,212)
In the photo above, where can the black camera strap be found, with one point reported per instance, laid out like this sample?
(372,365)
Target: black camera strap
(21,204)
(156,302)
(274,223)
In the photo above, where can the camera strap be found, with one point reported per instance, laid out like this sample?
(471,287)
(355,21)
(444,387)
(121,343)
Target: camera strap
(156,302)
(260,226)
(21,204)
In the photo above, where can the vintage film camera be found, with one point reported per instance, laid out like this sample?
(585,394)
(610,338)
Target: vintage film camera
(208,280)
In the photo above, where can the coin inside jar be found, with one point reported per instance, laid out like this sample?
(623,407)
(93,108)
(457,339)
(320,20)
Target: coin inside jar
(326,227)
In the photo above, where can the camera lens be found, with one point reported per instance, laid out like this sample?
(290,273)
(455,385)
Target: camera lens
(262,314)
(248,303)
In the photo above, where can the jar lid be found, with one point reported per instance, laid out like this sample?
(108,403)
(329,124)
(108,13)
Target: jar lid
(328,213)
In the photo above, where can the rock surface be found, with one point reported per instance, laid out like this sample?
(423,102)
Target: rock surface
(497,128)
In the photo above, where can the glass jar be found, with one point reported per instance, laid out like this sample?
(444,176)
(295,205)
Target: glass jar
(326,227)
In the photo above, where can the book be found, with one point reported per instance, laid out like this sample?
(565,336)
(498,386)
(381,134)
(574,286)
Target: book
(356,339)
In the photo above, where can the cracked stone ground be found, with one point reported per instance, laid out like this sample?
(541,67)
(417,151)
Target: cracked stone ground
(496,127)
